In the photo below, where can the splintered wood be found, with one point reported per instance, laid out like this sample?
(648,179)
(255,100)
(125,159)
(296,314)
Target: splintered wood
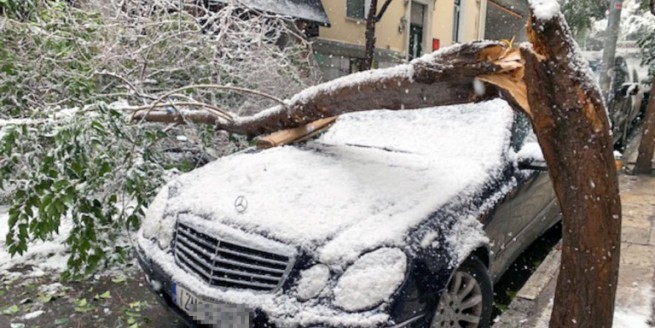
(285,137)
(510,75)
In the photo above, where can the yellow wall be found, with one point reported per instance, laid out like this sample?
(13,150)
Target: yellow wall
(442,26)
(352,31)
(471,16)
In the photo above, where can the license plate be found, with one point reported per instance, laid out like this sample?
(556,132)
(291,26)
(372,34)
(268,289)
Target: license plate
(221,315)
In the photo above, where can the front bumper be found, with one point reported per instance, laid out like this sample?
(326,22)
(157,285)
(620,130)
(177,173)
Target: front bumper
(161,283)
(162,272)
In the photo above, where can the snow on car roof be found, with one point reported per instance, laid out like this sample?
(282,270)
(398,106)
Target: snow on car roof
(450,131)
(342,199)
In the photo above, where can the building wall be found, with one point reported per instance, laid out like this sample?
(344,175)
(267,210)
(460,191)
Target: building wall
(392,32)
(473,20)
(348,30)
(442,22)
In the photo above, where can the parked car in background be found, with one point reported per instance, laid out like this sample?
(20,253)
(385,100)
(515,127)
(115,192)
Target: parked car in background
(625,98)
(388,219)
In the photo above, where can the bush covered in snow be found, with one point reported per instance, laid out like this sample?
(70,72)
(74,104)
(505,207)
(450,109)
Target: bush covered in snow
(71,72)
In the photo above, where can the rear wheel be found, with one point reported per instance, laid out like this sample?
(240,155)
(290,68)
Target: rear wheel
(468,300)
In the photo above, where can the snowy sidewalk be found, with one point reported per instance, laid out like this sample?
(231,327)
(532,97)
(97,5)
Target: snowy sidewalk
(635,296)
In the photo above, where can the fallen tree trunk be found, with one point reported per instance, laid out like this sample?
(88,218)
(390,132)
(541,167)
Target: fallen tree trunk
(445,79)
(572,127)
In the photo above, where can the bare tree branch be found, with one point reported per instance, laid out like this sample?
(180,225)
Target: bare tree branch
(218,87)
(382,10)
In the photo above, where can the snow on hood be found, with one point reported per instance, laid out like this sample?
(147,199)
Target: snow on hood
(365,183)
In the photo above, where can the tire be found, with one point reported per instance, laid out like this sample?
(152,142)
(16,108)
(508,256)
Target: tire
(465,305)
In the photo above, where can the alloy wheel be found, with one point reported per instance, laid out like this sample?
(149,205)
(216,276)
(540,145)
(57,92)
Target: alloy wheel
(461,305)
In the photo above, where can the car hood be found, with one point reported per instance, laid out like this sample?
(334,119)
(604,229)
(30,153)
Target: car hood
(339,198)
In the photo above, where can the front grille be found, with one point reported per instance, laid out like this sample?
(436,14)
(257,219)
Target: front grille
(227,264)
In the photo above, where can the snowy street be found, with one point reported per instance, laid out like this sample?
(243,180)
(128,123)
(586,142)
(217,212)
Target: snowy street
(31,294)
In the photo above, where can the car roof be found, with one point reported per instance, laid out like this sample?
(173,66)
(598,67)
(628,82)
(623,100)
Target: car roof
(475,129)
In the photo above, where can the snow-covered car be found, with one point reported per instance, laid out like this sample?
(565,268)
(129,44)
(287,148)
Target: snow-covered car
(387,219)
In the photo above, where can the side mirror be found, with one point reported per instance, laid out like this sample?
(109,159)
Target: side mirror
(629,89)
(530,157)
(532,164)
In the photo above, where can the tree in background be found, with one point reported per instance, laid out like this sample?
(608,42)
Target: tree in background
(644,164)
(372,18)
(580,14)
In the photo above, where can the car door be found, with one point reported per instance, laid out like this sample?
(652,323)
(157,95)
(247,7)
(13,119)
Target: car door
(526,212)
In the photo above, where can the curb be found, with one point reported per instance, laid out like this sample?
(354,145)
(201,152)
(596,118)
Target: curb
(533,297)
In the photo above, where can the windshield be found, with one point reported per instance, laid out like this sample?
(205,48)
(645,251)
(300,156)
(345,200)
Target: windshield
(461,130)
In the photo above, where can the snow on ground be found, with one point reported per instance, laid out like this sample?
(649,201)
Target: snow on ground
(47,256)
(639,312)
(624,317)
(50,256)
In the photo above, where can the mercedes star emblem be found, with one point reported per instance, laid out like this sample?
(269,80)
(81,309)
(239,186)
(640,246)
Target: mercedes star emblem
(241,204)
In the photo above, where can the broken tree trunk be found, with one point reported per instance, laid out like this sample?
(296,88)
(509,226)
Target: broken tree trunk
(571,124)
(445,79)
(644,163)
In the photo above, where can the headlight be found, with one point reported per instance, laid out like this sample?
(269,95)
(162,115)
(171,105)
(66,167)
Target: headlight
(312,281)
(155,224)
(371,280)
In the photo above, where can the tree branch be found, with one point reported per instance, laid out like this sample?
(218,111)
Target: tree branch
(445,79)
(382,10)
(210,108)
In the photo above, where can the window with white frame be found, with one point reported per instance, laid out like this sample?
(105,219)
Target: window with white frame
(357,9)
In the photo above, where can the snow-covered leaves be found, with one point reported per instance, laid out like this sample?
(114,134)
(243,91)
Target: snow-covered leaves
(96,170)
(580,14)
(92,166)
(68,55)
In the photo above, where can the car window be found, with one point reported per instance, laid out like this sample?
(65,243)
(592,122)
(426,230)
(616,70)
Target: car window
(524,141)
(521,131)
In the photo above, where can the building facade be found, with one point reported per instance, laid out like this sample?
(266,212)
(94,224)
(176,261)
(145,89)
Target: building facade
(408,29)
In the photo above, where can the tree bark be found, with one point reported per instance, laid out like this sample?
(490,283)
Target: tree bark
(644,163)
(371,22)
(572,127)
